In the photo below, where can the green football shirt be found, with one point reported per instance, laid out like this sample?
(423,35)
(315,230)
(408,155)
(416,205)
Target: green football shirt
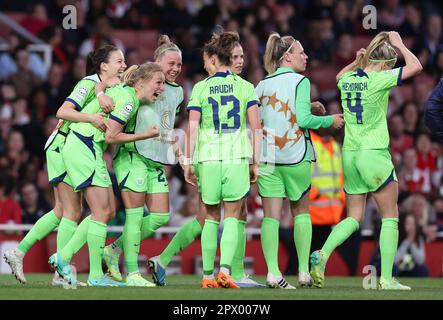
(364,97)
(126,106)
(81,95)
(223,100)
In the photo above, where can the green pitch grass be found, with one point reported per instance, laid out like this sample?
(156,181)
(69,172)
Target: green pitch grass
(187,288)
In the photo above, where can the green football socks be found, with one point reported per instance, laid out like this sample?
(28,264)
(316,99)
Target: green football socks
(228,242)
(237,268)
(269,243)
(96,243)
(339,234)
(41,229)
(149,225)
(302,239)
(77,240)
(388,246)
(131,237)
(209,245)
(183,238)
(66,230)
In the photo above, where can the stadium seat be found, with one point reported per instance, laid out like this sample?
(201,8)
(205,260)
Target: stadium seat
(128,37)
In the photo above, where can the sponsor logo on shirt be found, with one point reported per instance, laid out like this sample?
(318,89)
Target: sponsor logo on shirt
(81,93)
(126,111)
(391,71)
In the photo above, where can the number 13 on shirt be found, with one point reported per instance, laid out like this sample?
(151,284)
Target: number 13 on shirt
(232,113)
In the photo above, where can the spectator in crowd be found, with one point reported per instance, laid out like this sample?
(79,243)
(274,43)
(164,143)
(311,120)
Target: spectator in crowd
(391,15)
(10,211)
(426,163)
(20,111)
(8,65)
(438,210)
(410,260)
(24,79)
(55,88)
(344,53)
(399,140)
(410,118)
(343,23)
(37,20)
(102,35)
(15,156)
(410,177)
(32,206)
(412,25)
(429,44)
(52,35)
(417,205)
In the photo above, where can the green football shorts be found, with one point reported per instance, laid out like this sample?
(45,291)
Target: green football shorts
(367,170)
(54,161)
(138,174)
(197,175)
(223,181)
(292,181)
(84,162)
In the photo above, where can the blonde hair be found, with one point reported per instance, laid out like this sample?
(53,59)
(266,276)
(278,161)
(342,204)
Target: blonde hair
(141,72)
(164,44)
(379,50)
(276,47)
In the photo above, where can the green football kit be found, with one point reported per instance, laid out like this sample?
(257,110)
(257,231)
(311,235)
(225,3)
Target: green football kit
(367,164)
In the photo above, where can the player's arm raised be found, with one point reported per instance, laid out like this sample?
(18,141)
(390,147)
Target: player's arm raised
(413,65)
(359,55)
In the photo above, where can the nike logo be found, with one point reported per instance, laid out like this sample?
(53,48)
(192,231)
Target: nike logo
(102,247)
(136,244)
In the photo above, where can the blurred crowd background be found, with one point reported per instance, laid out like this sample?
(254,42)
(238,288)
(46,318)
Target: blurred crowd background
(331,31)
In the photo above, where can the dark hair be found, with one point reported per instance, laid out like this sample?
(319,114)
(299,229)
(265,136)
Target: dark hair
(419,235)
(97,57)
(6,183)
(222,44)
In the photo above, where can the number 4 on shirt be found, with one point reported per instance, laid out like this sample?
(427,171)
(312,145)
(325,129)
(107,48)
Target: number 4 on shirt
(357,108)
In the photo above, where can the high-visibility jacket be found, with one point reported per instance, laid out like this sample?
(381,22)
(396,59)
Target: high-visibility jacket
(327,196)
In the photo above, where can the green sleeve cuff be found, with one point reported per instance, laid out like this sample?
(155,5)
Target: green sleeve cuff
(328,121)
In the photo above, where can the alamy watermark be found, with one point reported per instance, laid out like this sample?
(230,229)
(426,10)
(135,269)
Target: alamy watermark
(70,20)
(370,281)
(370,18)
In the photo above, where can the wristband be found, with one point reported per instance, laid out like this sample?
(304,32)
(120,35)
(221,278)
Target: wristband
(100,93)
(187,161)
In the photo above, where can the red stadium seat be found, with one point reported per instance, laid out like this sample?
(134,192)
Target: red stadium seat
(128,37)
(324,77)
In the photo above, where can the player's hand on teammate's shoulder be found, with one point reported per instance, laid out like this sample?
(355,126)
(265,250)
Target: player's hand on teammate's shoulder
(338,121)
(317,108)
